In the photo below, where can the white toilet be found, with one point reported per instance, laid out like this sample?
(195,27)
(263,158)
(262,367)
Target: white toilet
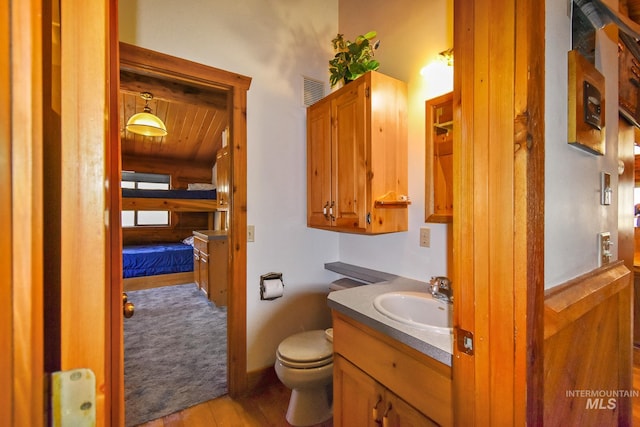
(304,363)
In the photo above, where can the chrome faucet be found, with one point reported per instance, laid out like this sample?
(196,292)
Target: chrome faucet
(441,289)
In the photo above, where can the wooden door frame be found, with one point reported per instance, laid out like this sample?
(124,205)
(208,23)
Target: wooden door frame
(498,226)
(144,61)
(21,268)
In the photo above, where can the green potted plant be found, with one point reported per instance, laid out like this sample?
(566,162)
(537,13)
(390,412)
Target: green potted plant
(352,59)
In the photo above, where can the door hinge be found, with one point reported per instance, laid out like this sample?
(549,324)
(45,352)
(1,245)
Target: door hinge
(73,398)
(368,218)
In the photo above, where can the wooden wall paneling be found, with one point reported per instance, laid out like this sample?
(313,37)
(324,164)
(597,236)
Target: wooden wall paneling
(588,346)
(21,133)
(494,203)
(463,96)
(182,172)
(529,194)
(6,208)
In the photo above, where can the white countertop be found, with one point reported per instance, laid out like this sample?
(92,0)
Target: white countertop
(357,303)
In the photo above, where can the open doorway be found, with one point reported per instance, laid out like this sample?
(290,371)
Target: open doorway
(220,99)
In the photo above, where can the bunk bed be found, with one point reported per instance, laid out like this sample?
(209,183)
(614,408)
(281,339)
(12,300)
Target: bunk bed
(174,200)
(164,271)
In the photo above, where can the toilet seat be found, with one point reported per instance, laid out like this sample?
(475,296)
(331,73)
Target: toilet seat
(305,350)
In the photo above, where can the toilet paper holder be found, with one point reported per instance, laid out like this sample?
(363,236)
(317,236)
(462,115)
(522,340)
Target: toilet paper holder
(269,276)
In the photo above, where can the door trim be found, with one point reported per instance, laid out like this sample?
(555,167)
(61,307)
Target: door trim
(498,226)
(149,62)
(21,268)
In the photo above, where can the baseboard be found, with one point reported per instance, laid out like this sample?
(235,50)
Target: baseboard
(261,378)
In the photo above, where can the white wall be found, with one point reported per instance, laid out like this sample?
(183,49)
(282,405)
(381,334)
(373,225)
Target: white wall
(573,214)
(275,43)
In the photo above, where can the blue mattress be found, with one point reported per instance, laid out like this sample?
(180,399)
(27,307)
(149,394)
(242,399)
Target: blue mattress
(158,258)
(169,194)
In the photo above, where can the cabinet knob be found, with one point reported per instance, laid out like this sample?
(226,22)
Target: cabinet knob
(385,418)
(374,411)
(325,209)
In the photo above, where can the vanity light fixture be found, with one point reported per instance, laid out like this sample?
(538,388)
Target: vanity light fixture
(447,56)
(145,123)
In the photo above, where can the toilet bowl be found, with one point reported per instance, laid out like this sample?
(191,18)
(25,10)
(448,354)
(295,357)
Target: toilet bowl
(304,363)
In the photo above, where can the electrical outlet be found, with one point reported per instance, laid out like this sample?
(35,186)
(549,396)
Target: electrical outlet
(251,233)
(425,237)
(604,248)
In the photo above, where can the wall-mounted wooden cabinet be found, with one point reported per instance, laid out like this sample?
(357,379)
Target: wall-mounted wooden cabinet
(357,157)
(439,159)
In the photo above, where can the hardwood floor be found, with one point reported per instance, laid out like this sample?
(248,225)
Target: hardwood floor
(268,406)
(264,407)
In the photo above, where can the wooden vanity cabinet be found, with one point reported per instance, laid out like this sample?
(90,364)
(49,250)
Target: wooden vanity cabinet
(357,157)
(439,159)
(210,263)
(376,377)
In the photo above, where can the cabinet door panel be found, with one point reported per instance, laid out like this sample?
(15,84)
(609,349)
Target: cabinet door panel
(350,158)
(401,414)
(204,272)
(318,164)
(355,396)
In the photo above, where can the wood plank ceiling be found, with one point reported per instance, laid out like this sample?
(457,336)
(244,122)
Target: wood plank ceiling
(195,117)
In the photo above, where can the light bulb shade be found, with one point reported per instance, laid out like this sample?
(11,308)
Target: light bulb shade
(146,124)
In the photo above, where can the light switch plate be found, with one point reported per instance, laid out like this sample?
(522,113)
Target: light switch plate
(605,188)
(425,237)
(604,248)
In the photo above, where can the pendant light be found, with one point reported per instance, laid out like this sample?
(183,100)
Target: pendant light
(146,123)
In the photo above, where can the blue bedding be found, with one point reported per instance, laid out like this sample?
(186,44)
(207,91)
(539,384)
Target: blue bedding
(169,194)
(159,258)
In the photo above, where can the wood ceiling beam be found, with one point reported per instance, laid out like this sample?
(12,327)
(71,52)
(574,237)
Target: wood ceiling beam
(172,91)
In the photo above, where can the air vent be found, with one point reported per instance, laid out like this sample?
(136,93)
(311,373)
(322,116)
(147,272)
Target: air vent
(313,91)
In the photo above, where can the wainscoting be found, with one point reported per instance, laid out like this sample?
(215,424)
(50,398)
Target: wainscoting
(588,349)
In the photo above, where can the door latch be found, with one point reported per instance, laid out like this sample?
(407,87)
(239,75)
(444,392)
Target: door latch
(465,341)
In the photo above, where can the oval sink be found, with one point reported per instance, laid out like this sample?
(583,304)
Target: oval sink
(418,309)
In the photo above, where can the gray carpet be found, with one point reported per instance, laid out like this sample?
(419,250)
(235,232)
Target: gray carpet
(175,352)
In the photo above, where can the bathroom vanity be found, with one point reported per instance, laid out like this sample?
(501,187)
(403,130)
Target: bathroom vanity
(386,373)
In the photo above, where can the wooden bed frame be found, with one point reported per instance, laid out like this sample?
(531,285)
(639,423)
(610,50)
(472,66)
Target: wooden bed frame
(210,206)
(148,282)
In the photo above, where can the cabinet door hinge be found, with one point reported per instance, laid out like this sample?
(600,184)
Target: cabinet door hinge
(368,218)
(366,92)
